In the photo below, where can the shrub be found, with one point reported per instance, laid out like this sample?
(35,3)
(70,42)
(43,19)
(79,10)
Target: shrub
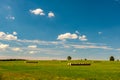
(69,58)
(112,58)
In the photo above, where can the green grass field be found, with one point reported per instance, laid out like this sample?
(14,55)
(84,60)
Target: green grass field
(59,70)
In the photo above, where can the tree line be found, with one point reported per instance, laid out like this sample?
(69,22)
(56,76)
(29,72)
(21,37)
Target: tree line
(111,58)
(12,59)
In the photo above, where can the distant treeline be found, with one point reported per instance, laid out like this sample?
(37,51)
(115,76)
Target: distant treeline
(12,59)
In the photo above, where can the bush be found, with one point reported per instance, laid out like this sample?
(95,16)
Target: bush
(112,58)
(69,58)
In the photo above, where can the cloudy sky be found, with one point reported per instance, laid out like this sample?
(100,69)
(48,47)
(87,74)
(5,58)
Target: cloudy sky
(44,29)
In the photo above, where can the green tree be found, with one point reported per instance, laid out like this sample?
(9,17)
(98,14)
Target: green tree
(69,58)
(85,59)
(112,58)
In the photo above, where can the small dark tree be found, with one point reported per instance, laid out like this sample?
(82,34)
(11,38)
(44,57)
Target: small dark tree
(69,58)
(112,58)
(85,59)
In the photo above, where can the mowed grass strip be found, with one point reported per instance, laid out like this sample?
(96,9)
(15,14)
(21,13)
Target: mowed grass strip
(59,70)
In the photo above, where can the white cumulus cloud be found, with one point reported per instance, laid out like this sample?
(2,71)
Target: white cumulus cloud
(51,14)
(16,49)
(4,46)
(77,32)
(38,11)
(32,46)
(83,38)
(10,17)
(4,36)
(67,36)
(14,33)
(32,52)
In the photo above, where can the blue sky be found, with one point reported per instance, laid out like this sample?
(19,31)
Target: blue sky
(44,29)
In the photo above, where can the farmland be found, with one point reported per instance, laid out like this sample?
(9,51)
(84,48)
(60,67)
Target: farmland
(59,70)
